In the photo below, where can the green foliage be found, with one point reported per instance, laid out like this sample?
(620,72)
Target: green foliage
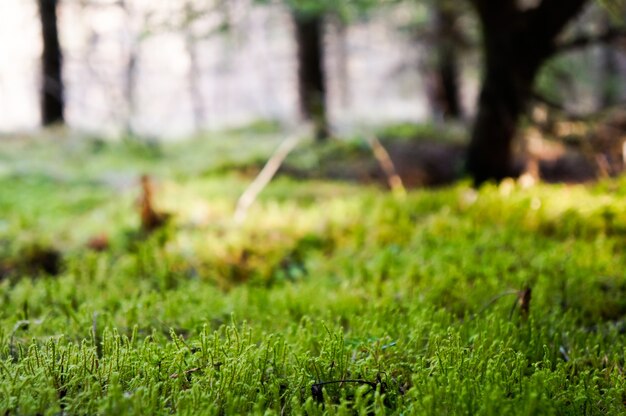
(346,10)
(330,299)
(258,127)
(615,7)
(421,131)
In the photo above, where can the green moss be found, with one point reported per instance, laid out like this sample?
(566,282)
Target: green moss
(330,298)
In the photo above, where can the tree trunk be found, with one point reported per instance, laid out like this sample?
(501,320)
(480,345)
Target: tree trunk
(517,42)
(311,79)
(130,87)
(447,102)
(501,103)
(52,94)
(194,72)
(131,72)
(193,81)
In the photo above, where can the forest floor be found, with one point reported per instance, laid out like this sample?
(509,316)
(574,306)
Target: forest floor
(330,297)
(429,156)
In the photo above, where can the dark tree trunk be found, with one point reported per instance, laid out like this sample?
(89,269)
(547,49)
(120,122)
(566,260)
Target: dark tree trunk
(501,103)
(516,44)
(447,96)
(52,95)
(511,64)
(311,80)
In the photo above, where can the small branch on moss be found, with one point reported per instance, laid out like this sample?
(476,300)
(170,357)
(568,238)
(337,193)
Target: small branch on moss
(494,300)
(265,176)
(385,162)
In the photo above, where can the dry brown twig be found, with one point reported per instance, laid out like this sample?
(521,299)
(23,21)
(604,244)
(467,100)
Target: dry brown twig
(385,162)
(265,176)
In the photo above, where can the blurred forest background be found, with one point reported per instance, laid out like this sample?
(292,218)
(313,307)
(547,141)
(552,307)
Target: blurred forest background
(174,239)
(170,69)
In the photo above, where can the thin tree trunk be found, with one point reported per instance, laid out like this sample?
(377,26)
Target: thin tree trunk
(193,72)
(343,54)
(52,94)
(130,87)
(447,77)
(193,81)
(131,72)
(311,77)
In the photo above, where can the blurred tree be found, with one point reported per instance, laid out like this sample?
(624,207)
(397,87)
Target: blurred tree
(446,40)
(309,34)
(518,38)
(196,21)
(132,64)
(309,17)
(190,14)
(52,90)
(445,16)
(196,29)
(136,30)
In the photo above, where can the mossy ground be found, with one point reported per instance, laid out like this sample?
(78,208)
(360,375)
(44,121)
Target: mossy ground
(330,298)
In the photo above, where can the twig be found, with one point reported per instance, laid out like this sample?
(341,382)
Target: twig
(264,177)
(383,158)
(494,300)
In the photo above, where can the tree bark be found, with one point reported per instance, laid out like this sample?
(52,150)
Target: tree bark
(447,97)
(501,103)
(311,77)
(516,44)
(52,94)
